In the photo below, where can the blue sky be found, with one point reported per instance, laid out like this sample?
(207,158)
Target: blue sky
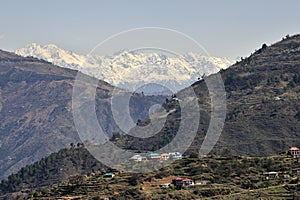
(225,28)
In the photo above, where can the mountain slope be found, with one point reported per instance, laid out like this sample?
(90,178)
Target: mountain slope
(263,93)
(130,69)
(29,100)
(36,110)
(263,107)
(54,169)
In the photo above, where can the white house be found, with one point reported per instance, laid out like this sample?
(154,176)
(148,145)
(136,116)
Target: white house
(137,158)
(294,151)
(187,182)
(164,156)
(175,155)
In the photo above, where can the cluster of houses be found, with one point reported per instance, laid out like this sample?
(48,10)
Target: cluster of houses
(157,157)
(179,183)
(182,182)
(292,151)
(281,175)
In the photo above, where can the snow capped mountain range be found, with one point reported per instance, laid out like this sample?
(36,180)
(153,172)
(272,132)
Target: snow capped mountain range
(131,70)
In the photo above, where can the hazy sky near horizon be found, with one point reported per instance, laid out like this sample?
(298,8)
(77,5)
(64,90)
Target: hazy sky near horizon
(231,28)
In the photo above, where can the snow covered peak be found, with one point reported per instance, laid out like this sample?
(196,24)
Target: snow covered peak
(53,54)
(131,69)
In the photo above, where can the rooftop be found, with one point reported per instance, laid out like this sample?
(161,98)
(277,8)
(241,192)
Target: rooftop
(187,179)
(177,179)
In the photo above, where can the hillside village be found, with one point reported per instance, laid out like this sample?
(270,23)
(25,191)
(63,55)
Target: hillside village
(262,95)
(179,182)
(262,113)
(157,156)
(145,100)
(186,178)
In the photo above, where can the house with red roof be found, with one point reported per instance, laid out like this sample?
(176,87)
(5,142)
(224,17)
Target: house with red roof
(182,182)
